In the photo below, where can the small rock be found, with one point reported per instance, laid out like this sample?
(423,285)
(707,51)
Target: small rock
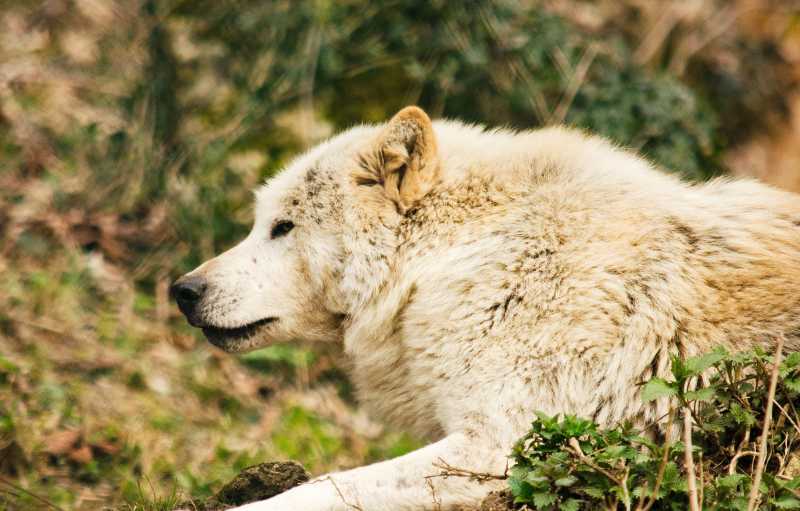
(255,483)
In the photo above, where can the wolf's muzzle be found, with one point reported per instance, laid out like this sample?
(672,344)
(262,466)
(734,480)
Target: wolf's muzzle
(188,291)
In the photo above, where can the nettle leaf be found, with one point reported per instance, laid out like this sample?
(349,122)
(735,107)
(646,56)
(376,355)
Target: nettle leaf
(672,476)
(571,505)
(536,479)
(679,370)
(573,426)
(518,472)
(639,439)
(746,388)
(704,394)
(790,364)
(566,481)
(658,388)
(591,491)
(543,499)
(716,426)
(617,451)
(731,481)
(739,503)
(696,365)
(521,490)
(792,384)
(786,502)
(742,416)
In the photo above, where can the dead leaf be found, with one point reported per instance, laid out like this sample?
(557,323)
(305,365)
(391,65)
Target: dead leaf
(82,454)
(105,447)
(62,442)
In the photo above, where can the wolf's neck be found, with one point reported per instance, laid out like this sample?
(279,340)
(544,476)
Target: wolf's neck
(375,284)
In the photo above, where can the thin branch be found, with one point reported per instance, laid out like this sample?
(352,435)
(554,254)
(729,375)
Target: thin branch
(574,85)
(436,500)
(448,470)
(762,448)
(662,468)
(716,26)
(740,452)
(341,495)
(788,417)
(656,37)
(689,459)
(19,488)
(732,467)
(702,481)
(576,447)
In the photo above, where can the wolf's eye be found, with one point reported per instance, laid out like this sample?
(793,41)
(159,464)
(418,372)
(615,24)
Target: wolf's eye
(281,228)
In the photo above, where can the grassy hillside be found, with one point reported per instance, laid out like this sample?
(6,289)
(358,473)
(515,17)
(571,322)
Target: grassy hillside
(132,133)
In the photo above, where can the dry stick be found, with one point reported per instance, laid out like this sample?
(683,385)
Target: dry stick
(735,460)
(662,468)
(689,459)
(762,447)
(436,500)
(16,487)
(574,85)
(576,447)
(656,37)
(341,495)
(786,414)
(740,452)
(448,470)
(718,25)
(702,481)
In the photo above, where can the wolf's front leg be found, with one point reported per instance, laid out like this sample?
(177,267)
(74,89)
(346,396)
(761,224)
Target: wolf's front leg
(409,482)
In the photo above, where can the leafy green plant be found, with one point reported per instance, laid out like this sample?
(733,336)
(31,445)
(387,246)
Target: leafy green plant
(572,463)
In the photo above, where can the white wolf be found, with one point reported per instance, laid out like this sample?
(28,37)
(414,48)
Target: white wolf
(476,276)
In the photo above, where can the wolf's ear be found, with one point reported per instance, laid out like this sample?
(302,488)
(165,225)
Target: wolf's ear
(403,159)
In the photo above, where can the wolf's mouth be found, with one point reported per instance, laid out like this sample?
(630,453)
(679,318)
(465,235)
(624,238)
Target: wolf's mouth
(223,337)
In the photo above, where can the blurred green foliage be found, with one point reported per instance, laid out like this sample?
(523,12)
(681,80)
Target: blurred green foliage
(216,78)
(495,62)
(486,61)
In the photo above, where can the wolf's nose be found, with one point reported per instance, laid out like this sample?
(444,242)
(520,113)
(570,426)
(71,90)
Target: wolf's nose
(188,291)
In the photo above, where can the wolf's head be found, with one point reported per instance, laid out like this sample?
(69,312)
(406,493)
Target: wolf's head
(324,231)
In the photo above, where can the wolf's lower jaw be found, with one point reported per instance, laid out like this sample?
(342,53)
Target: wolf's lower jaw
(223,337)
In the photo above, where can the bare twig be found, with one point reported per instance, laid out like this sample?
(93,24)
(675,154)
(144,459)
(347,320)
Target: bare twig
(662,468)
(574,85)
(448,470)
(762,447)
(656,37)
(788,417)
(740,452)
(19,488)
(356,507)
(689,459)
(735,459)
(701,495)
(622,483)
(436,500)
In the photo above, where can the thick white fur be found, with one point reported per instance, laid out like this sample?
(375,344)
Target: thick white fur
(545,270)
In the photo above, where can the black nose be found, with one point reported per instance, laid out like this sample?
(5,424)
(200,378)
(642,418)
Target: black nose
(188,291)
